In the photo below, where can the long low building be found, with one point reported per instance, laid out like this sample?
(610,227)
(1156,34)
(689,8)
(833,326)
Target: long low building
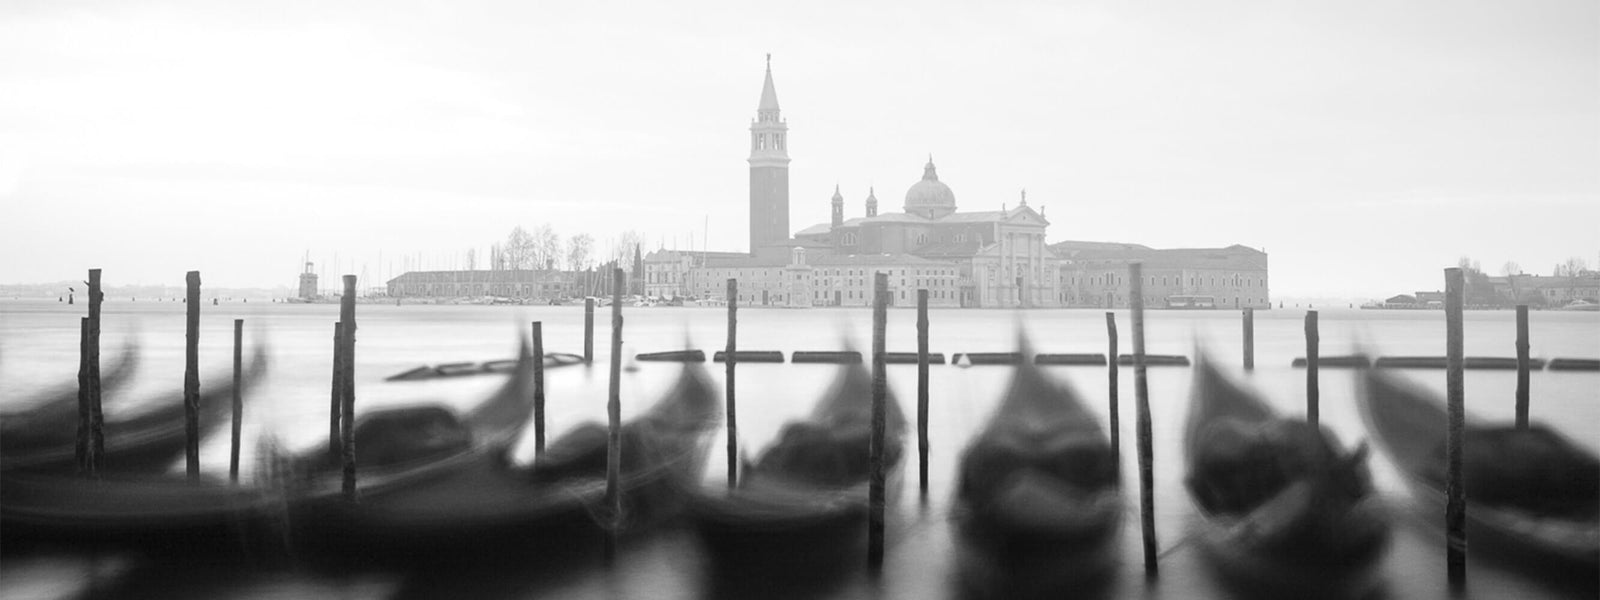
(522,284)
(1095,274)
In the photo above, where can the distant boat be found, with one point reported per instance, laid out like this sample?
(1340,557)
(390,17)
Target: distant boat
(1581,304)
(1192,302)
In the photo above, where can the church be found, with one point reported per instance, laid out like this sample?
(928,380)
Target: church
(994,258)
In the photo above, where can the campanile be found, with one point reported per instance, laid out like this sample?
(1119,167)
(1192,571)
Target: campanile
(769,170)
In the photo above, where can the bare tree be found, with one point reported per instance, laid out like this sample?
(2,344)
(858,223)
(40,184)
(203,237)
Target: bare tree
(1510,268)
(546,247)
(472,259)
(518,250)
(629,241)
(579,249)
(1572,267)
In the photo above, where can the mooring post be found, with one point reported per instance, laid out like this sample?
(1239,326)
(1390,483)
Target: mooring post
(1313,393)
(238,398)
(334,443)
(1141,392)
(83,447)
(588,330)
(191,375)
(1249,339)
(1111,375)
(729,360)
(614,422)
(97,420)
(1455,513)
(347,387)
(538,388)
(922,390)
(1522,366)
(875,447)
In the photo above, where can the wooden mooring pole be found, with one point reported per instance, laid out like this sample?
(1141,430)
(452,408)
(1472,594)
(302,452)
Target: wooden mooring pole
(1522,366)
(1141,392)
(875,446)
(191,375)
(1249,339)
(97,420)
(238,398)
(614,424)
(347,387)
(1455,511)
(730,359)
(83,447)
(1313,392)
(538,387)
(1111,376)
(922,391)
(588,330)
(333,396)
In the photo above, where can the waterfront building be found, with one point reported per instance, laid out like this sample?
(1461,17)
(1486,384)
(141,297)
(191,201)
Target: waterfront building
(1547,291)
(1095,274)
(1000,256)
(672,273)
(521,284)
(995,258)
(806,280)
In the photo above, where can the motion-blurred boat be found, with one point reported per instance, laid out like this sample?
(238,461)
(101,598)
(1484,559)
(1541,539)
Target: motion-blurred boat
(1038,508)
(147,441)
(1285,512)
(459,369)
(1533,496)
(433,487)
(800,512)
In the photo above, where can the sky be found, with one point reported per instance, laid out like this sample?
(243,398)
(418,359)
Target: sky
(1363,145)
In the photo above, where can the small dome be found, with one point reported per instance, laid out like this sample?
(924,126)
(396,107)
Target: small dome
(930,195)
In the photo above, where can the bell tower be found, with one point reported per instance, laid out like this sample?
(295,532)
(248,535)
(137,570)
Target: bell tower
(769,169)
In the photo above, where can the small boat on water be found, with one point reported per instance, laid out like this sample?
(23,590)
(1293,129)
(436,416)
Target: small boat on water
(459,369)
(1284,511)
(434,487)
(147,441)
(1038,510)
(799,513)
(1533,496)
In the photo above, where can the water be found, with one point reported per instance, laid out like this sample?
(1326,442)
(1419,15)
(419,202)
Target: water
(38,348)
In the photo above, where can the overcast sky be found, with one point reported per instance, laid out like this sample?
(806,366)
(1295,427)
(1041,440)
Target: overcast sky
(1364,145)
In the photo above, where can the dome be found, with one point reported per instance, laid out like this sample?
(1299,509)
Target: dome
(930,197)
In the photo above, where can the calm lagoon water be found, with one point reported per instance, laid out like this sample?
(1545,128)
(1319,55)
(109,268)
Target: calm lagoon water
(38,350)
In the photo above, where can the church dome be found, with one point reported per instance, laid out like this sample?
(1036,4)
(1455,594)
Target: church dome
(930,197)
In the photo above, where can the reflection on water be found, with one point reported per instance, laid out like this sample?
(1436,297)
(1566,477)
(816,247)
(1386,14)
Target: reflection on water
(38,347)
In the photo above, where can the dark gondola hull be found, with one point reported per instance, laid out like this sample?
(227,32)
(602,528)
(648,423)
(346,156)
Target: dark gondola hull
(474,505)
(1038,511)
(799,515)
(152,514)
(1409,425)
(1319,535)
(147,442)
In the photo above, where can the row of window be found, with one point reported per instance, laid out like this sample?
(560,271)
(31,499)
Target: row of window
(761,143)
(1116,280)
